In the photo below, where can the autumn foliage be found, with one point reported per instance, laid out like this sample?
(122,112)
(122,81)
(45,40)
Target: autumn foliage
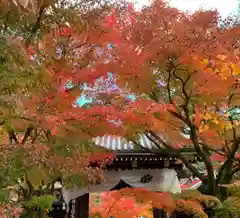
(183,70)
(35,151)
(8,210)
(134,203)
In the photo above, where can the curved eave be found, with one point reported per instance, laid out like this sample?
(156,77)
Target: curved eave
(123,146)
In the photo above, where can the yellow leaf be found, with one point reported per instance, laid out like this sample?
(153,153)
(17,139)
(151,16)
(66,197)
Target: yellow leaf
(205,61)
(236,69)
(216,121)
(208,116)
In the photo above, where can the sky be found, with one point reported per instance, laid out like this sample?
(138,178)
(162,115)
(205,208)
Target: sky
(225,7)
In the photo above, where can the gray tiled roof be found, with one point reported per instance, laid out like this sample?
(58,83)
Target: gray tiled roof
(120,144)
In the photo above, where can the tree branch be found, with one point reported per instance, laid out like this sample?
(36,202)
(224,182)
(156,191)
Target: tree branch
(184,83)
(20,117)
(36,25)
(213,150)
(179,116)
(205,157)
(232,93)
(155,143)
(12,137)
(168,87)
(194,137)
(182,158)
(35,136)
(237,169)
(47,135)
(140,146)
(27,134)
(227,166)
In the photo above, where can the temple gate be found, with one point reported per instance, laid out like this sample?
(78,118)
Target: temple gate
(132,167)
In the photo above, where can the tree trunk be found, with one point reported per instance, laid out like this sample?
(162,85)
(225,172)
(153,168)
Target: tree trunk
(222,191)
(34,212)
(219,192)
(158,213)
(29,213)
(40,213)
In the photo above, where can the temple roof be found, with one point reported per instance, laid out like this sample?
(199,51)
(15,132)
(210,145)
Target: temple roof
(123,145)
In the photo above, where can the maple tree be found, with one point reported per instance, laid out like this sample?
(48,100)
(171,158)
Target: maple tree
(184,71)
(33,154)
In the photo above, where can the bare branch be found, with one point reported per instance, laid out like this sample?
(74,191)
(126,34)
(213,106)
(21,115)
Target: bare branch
(27,134)
(153,141)
(37,24)
(12,137)
(168,87)
(181,157)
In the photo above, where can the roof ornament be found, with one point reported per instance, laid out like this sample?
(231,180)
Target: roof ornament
(146,179)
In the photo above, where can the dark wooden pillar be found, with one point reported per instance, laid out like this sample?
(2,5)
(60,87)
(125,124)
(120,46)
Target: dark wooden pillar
(82,206)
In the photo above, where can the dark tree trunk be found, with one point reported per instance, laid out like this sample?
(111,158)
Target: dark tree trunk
(158,213)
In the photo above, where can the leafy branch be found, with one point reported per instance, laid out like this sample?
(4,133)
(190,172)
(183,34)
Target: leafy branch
(193,134)
(36,25)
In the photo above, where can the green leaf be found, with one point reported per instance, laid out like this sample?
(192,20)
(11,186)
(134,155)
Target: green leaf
(157,115)
(75,180)
(4,195)
(190,194)
(38,176)
(43,202)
